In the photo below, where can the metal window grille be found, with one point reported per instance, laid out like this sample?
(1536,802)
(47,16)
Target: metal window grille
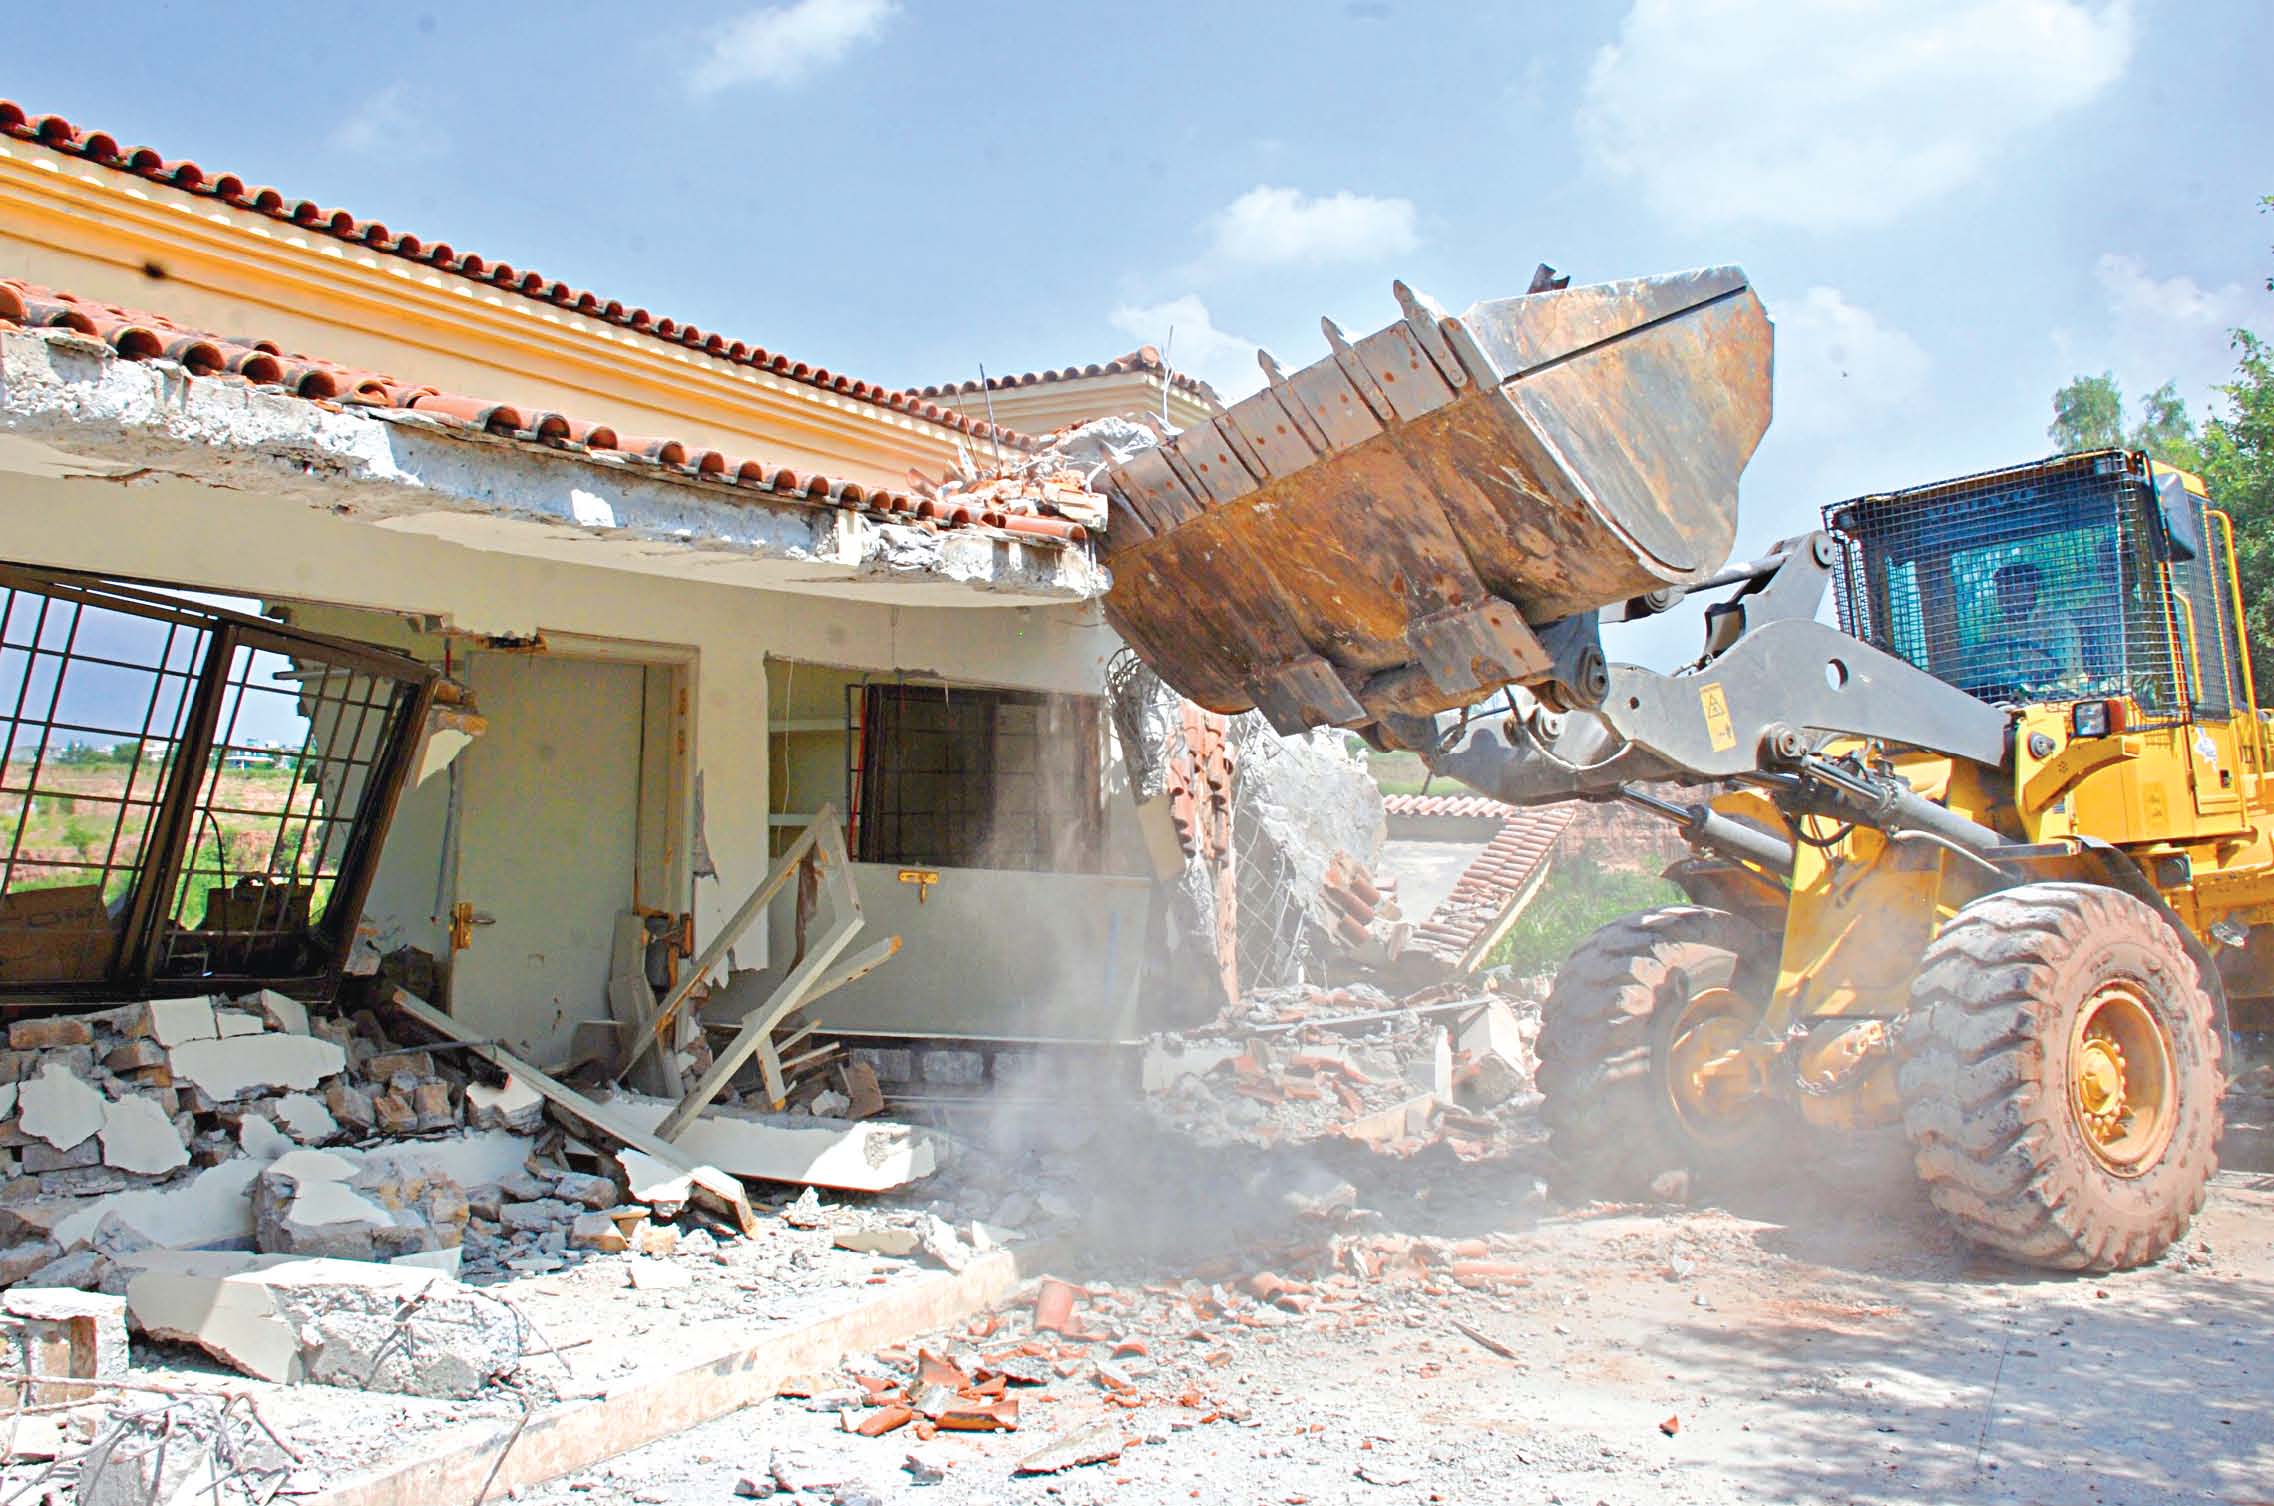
(954,777)
(2034,583)
(188,796)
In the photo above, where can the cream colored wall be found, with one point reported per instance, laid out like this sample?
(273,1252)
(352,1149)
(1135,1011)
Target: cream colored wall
(89,230)
(249,544)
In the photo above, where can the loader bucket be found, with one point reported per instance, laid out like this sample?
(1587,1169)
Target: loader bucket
(1382,532)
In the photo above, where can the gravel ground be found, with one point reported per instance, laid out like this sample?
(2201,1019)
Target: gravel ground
(1841,1349)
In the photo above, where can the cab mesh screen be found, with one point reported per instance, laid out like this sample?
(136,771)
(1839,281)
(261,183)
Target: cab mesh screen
(2035,583)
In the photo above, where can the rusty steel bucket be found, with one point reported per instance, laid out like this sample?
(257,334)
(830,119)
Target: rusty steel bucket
(1382,532)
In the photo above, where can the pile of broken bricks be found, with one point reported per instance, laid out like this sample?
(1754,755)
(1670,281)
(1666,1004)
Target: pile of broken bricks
(1452,1064)
(1106,1368)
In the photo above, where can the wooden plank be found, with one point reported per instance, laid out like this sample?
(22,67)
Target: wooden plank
(590,1111)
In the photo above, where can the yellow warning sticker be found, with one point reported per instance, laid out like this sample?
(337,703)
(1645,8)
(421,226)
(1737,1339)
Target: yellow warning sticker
(1720,731)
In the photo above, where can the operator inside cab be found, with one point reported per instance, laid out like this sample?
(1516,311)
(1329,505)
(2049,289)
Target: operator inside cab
(2032,643)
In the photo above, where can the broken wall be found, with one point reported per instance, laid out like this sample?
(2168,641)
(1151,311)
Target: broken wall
(250,543)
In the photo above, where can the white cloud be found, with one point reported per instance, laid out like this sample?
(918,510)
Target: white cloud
(390,119)
(780,44)
(1838,366)
(2171,328)
(1269,226)
(1837,114)
(1182,329)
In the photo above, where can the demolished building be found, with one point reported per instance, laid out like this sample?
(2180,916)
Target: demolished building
(536,630)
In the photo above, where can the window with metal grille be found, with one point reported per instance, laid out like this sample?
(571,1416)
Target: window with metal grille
(188,796)
(2034,583)
(952,777)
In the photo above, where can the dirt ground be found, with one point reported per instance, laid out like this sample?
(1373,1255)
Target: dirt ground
(1812,1345)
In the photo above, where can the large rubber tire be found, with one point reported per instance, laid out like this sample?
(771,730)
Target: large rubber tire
(1604,1040)
(1987,1057)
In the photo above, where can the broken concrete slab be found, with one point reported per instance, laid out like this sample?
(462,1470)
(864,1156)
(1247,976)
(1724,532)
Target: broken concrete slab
(304,1117)
(207,1209)
(597,1231)
(176,1022)
(513,1106)
(236,1022)
(59,1107)
(139,1136)
(668,1191)
(262,1140)
(266,1063)
(178,1455)
(896,1242)
(339,1322)
(865,1155)
(287,1015)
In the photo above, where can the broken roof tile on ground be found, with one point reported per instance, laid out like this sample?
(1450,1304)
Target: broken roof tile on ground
(142,335)
(104,150)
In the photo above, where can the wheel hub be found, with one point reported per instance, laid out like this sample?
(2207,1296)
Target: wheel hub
(2121,1085)
(1712,1076)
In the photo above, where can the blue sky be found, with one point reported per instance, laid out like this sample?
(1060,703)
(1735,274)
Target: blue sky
(1948,208)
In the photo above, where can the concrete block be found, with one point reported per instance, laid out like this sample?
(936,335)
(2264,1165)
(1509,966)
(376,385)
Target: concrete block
(267,1063)
(8,1095)
(430,1103)
(66,1335)
(535,1217)
(868,1155)
(40,1035)
(137,1136)
(395,1114)
(514,1106)
(136,1055)
(596,1231)
(351,1107)
(305,1118)
(338,1322)
(80,1269)
(387,1065)
(58,1107)
(235,1022)
(287,1015)
(19,1260)
(595,1193)
(42,1159)
(175,1022)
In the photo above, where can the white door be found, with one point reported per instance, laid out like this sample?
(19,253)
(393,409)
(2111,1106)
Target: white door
(547,840)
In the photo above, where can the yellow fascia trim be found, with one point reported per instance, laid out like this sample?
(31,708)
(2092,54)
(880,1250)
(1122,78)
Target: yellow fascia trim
(70,208)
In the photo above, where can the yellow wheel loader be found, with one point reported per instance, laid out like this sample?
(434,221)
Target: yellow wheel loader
(1983,862)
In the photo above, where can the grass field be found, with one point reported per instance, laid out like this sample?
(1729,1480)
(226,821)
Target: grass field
(87,822)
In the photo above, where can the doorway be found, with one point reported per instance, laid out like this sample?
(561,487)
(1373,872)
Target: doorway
(565,806)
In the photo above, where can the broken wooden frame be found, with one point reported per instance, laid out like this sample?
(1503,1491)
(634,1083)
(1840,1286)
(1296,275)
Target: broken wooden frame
(827,853)
(822,846)
(153,893)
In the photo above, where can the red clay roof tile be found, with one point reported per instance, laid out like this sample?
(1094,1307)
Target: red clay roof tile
(139,335)
(1144,358)
(61,135)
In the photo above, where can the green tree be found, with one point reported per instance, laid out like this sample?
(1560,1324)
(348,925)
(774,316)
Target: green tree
(2088,414)
(2237,464)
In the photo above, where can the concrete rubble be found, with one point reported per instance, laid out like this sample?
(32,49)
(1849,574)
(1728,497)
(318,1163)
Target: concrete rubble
(1452,1063)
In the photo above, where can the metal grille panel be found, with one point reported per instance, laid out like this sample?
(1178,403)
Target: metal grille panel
(2033,583)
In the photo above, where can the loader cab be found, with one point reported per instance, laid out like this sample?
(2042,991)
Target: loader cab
(2100,577)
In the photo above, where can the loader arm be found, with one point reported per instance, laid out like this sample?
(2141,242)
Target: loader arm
(1438,517)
